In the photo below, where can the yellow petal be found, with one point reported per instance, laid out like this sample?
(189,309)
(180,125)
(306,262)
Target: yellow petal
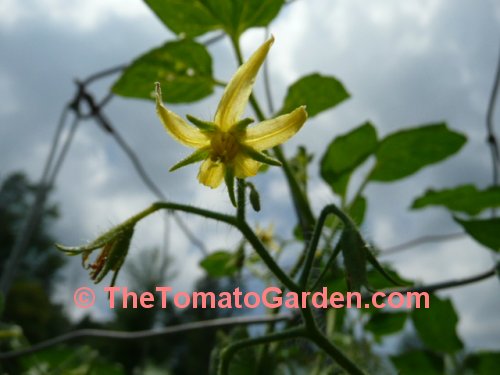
(211,173)
(245,166)
(270,133)
(239,88)
(179,129)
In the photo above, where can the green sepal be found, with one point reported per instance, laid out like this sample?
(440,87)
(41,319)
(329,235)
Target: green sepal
(116,257)
(99,242)
(262,157)
(206,126)
(229,179)
(243,124)
(195,157)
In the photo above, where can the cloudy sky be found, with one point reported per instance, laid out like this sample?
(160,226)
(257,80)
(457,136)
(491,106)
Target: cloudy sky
(405,63)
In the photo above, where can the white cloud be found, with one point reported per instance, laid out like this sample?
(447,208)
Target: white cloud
(84,15)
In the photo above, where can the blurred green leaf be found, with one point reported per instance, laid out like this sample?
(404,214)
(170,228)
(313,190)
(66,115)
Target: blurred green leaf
(219,264)
(483,363)
(419,362)
(299,164)
(196,17)
(466,198)
(315,91)
(437,325)
(383,323)
(345,153)
(407,151)
(484,231)
(354,253)
(378,281)
(358,210)
(183,68)
(191,18)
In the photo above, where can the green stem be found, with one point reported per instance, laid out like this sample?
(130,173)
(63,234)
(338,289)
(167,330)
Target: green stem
(229,351)
(313,244)
(327,267)
(241,197)
(266,257)
(360,190)
(242,226)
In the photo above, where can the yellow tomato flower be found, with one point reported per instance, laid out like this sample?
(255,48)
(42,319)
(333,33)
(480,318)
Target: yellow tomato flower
(228,146)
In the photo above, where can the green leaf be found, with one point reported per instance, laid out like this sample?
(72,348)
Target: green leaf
(437,325)
(183,68)
(465,198)
(405,152)
(315,91)
(357,210)
(196,17)
(384,323)
(354,253)
(345,153)
(219,264)
(483,363)
(484,231)
(190,18)
(378,281)
(419,362)
(299,164)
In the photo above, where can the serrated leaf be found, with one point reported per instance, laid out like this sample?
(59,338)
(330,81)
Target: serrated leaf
(383,323)
(419,362)
(466,198)
(437,325)
(484,231)
(196,17)
(318,93)
(345,153)
(183,68)
(407,151)
(219,264)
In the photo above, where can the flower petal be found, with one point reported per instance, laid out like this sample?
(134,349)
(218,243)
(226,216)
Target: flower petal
(245,166)
(239,88)
(179,129)
(211,173)
(270,133)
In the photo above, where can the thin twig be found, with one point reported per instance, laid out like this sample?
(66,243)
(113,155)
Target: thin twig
(439,286)
(103,74)
(35,213)
(491,137)
(120,335)
(420,241)
(103,121)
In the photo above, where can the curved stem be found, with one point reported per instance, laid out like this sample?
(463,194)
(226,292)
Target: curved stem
(313,244)
(229,351)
